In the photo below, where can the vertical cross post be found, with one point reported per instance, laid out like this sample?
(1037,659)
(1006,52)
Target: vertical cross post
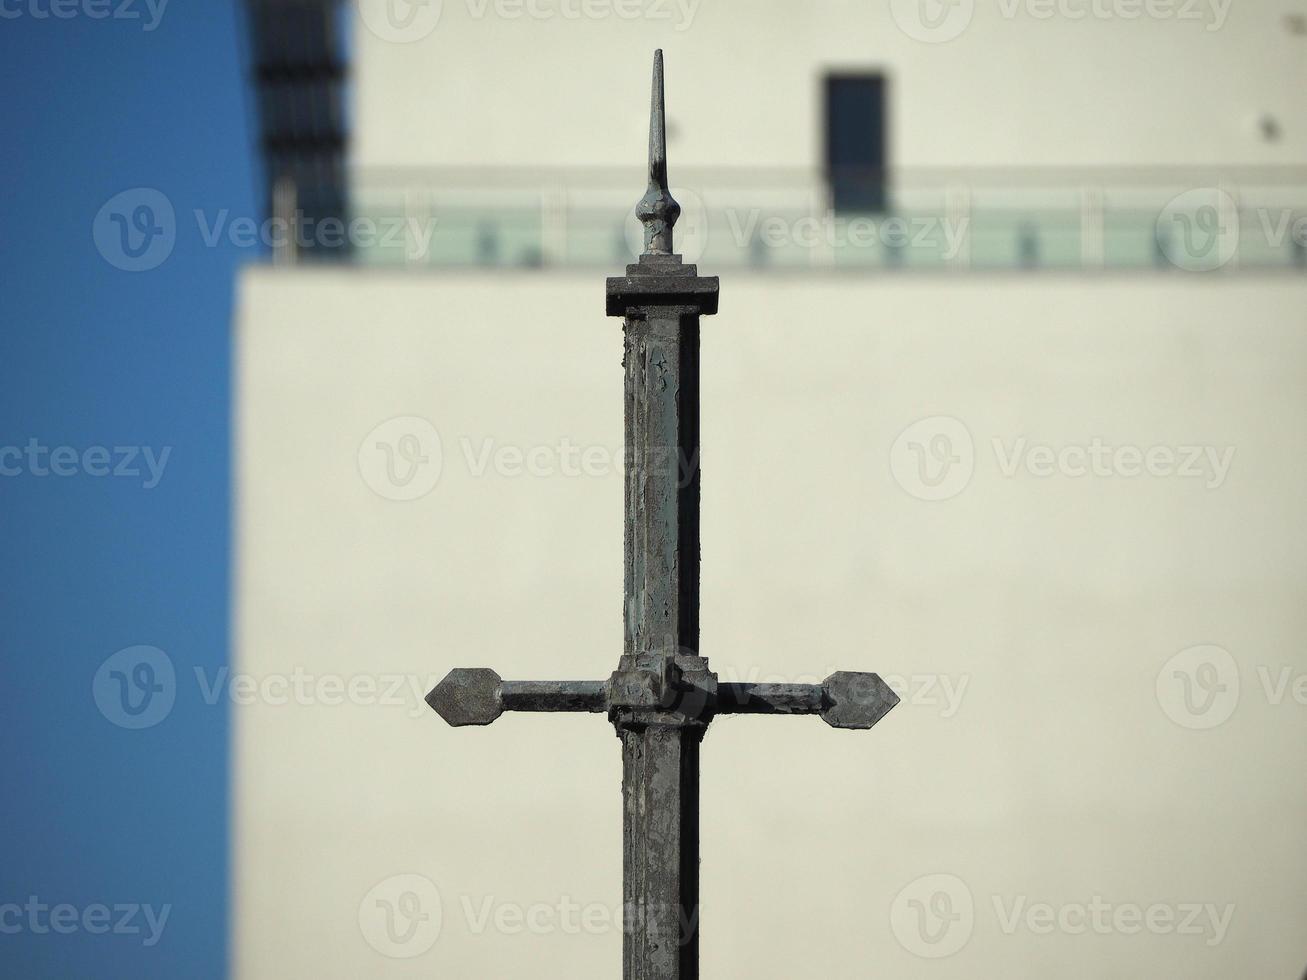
(663,695)
(663,721)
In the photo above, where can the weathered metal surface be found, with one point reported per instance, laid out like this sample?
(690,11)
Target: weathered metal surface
(856,700)
(666,690)
(477,696)
(665,283)
(663,695)
(657,210)
(662,692)
(555,696)
(844,700)
(662,481)
(468,696)
(770,699)
(660,852)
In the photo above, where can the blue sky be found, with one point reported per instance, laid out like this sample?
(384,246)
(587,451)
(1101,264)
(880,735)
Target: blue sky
(102,552)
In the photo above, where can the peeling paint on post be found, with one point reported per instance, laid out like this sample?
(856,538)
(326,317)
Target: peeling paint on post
(663,695)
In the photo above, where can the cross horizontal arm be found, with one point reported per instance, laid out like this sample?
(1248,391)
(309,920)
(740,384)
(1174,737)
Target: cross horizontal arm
(555,696)
(770,699)
(845,699)
(477,696)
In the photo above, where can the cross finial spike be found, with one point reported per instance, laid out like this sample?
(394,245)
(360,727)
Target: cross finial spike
(657,126)
(657,210)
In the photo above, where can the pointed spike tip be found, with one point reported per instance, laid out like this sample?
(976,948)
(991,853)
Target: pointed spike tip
(657,126)
(657,210)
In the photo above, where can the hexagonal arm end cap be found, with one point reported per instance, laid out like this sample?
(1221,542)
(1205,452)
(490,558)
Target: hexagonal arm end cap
(856,700)
(468,696)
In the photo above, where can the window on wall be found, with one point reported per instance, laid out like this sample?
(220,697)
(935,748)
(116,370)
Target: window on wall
(855,141)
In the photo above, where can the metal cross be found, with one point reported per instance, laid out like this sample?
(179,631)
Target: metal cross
(663,695)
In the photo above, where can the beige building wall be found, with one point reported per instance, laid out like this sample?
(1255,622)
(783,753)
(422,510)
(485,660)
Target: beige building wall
(1098,634)
(1063,83)
(1062,514)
